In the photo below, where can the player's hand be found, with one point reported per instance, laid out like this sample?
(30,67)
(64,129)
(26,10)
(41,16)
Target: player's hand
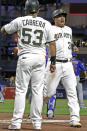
(52,68)
(15,50)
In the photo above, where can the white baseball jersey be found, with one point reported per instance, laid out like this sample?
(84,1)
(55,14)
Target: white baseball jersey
(63,44)
(33,33)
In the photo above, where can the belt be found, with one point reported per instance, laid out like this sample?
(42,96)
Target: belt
(63,61)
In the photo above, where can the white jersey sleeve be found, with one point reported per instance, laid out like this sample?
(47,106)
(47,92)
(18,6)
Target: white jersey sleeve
(12,26)
(50,33)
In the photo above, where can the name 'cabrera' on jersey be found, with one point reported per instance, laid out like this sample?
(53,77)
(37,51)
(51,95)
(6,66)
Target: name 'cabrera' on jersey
(63,43)
(33,33)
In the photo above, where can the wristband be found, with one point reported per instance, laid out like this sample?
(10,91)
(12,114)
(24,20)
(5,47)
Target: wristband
(53,60)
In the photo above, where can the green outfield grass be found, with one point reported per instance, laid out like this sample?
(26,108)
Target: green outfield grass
(61,107)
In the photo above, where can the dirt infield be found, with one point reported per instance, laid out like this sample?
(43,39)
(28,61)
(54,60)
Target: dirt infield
(58,123)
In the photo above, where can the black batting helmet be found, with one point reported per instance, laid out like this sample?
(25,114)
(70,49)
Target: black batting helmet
(31,6)
(59,12)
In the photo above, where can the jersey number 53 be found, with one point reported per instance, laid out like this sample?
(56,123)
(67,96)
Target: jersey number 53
(26,33)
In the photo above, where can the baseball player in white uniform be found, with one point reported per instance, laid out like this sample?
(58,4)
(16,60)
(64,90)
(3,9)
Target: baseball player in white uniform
(64,69)
(33,32)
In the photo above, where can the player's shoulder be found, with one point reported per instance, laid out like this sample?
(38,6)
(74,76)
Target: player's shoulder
(18,19)
(23,18)
(67,27)
(54,27)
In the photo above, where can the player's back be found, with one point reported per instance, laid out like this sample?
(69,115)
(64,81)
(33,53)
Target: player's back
(33,34)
